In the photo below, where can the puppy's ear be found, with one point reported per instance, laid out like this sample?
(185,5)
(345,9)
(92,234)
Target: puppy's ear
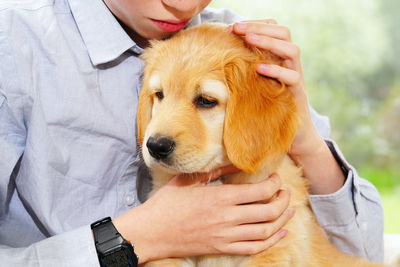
(145,104)
(261,118)
(144,112)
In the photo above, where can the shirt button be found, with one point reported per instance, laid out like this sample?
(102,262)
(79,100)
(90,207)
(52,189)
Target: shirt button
(129,200)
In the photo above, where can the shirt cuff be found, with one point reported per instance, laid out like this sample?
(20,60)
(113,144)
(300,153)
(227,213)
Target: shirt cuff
(338,208)
(72,248)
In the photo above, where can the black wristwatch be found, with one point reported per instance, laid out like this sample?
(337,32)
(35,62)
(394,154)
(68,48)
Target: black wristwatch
(112,249)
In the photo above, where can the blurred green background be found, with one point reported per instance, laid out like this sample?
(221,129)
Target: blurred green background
(351,58)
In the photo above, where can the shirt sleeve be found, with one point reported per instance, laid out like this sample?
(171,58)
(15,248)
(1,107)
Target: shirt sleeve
(352,217)
(74,248)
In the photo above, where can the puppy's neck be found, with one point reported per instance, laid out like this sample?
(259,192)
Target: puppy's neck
(243,178)
(263,172)
(160,178)
(249,178)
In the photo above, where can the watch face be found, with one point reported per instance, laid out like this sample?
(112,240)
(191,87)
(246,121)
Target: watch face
(118,259)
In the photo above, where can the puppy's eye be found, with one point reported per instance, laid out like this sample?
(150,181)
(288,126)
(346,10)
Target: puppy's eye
(160,95)
(205,102)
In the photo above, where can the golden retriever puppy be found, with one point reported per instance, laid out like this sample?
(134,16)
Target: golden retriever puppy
(203,106)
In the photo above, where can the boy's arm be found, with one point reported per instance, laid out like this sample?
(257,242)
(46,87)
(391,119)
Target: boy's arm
(352,217)
(73,248)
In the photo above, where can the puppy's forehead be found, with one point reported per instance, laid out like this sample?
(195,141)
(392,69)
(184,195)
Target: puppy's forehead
(208,85)
(215,88)
(211,87)
(155,81)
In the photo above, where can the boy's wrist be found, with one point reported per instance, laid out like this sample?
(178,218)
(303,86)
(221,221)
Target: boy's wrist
(307,148)
(131,229)
(319,166)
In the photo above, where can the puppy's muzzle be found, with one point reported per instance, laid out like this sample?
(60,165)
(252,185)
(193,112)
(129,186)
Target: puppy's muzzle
(160,147)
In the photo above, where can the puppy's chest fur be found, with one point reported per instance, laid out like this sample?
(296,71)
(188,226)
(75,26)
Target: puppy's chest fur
(287,250)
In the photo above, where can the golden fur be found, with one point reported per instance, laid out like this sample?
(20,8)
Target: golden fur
(252,126)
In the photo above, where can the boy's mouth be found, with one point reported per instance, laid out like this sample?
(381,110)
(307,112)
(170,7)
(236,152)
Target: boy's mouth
(170,26)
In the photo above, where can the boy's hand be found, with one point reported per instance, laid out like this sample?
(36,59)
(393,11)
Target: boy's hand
(183,219)
(308,148)
(268,35)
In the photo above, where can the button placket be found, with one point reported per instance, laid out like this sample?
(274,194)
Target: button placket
(127,187)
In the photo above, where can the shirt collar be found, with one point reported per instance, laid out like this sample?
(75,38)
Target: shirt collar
(104,37)
(194,21)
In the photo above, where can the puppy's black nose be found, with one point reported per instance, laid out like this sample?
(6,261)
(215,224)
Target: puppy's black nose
(160,147)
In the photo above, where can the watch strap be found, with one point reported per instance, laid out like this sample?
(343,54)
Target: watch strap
(104,230)
(109,245)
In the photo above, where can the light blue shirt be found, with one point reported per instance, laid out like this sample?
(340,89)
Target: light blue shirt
(69,86)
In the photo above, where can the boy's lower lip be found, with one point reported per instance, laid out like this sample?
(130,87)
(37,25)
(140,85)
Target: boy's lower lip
(169,26)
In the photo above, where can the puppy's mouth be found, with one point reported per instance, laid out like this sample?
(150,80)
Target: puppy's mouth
(174,166)
(164,166)
(164,153)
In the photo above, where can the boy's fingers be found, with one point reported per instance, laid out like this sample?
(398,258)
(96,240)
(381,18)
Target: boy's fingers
(271,30)
(255,247)
(261,231)
(239,194)
(287,76)
(259,213)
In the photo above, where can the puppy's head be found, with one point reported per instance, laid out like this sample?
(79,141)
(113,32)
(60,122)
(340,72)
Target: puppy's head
(203,105)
